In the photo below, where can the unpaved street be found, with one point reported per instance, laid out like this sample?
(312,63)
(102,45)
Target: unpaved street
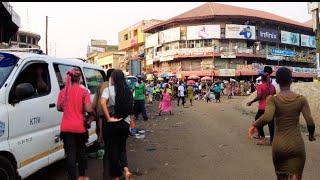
(206,141)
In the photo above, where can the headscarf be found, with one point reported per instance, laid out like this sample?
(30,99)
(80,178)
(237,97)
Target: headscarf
(71,76)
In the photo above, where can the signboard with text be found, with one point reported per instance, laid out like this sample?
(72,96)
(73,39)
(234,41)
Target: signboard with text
(283,52)
(268,35)
(234,31)
(227,72)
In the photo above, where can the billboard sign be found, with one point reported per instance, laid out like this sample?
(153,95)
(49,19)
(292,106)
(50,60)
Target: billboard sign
(169,35)
(290,38)
(234,31)
(268,35)
(227,72)
(203,32)
(152,40)
(308,41)
(98,43)
(283,52)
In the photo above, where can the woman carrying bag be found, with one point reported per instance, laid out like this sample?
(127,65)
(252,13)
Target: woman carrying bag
(117,106)
(73,100)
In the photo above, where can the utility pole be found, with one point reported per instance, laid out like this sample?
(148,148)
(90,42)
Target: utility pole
(47,35)
(317,42)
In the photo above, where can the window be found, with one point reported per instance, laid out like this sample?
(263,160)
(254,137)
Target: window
(94,78)
(125,37)
(61,71)
(207,43)
(37,74)
(182,44)
(135,33)
(190,44)
(199,43)
(29,39)
(23,38)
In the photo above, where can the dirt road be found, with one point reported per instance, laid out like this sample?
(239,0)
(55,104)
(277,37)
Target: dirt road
(205,141)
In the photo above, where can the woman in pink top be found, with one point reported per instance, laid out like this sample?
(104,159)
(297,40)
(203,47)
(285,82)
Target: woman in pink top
(73,100)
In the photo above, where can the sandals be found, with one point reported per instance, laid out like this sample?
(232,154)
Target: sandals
(128,176)
(263,142)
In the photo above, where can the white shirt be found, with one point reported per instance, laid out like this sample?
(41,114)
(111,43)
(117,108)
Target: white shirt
(109,93)
(181,91)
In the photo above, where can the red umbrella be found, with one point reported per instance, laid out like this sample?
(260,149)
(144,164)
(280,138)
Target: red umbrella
(193,77)
(206,78)
(191,82)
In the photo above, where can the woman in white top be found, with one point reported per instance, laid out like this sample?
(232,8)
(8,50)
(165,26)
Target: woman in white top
(117,106)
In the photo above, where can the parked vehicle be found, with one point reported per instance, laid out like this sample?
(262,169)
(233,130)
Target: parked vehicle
(29,121)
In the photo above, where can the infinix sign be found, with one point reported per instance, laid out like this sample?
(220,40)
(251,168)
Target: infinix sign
(269,35)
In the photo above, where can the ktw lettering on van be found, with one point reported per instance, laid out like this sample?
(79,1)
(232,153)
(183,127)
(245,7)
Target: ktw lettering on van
(34,121)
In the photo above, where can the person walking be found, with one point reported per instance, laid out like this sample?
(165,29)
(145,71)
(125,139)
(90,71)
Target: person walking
(229,90)
(165,104)
(181,94)
(190,93)
(288,150)
(139,99)
(150,90)
(73,101)
(217,91)
(263,91)
(117,106)
(96,106)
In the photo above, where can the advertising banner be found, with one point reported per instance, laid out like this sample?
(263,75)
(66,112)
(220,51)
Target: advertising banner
(227,55)
(275,57)
(268,35)
(227,72)
(98,43)
(283,52)
(203,32)
(152,40)
(234,31)
(149,59)
(290,38)
(169,35)
(308,41)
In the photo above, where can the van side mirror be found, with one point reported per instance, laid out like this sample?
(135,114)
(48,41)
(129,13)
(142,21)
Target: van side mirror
(23,91)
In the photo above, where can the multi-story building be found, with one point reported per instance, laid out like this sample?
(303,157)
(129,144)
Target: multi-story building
(24,39)
(227,41)
(131,41)
(9,23)
(110,60)
(98,48)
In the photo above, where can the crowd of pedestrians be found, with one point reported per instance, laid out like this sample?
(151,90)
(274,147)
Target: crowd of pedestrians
(116,105)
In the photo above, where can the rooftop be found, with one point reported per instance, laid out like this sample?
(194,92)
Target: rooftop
(213,10)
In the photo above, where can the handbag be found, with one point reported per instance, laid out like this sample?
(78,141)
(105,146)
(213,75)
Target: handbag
(88,118)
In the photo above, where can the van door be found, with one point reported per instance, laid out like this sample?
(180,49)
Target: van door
(58,81)
(93,78)
(29,115)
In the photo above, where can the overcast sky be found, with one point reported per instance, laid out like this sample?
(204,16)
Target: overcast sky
(72,25)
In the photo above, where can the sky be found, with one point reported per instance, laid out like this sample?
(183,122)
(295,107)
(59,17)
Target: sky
(72,25)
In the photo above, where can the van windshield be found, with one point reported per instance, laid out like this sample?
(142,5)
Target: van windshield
(7,63)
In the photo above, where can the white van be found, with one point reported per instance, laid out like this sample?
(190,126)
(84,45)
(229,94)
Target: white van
(29,120)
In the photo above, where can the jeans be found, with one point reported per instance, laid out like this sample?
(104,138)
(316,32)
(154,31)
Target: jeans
(139,107)
(183,100)
(75,150)
(270,125)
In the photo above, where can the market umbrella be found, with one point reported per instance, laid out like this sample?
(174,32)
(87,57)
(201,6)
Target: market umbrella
(191,82)
(164,75)
(194,77)
(149,77)
(160,79)
(206,78)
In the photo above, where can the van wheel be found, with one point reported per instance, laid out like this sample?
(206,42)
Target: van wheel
(7,171)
